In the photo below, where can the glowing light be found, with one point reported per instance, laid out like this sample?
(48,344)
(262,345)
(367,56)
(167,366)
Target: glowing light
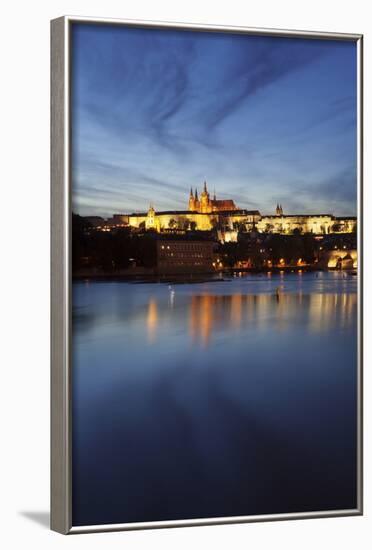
(236,309)
(152,320)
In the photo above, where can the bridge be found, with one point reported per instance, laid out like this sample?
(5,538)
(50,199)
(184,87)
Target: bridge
(338,259)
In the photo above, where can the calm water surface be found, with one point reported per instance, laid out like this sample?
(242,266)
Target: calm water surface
(214,399)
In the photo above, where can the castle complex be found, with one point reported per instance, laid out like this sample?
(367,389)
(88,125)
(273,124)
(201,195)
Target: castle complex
(202,214)
(205,213)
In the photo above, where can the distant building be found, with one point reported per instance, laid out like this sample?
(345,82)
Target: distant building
(301,223)
(184,256)
(318,224)
(118,220)
(205,213)
(206,205)
(339,258)
(344,224)
(95,221)
(279,210)
(227,235)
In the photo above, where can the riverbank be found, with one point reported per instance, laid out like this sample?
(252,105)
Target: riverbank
(141,276)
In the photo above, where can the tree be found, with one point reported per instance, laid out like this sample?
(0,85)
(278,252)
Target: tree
(297,231)
(172,224)
(183,223)
(81,231)
(336,228)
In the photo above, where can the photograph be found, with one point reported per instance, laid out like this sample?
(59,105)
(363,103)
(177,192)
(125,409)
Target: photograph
(214,274)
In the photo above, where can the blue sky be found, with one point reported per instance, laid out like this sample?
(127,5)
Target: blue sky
(262,119)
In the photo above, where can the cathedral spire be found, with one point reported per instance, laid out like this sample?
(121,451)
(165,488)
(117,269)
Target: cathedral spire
(191,193)
(205,186)
(279,210)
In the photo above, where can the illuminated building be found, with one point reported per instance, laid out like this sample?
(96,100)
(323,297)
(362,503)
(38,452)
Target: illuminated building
(204,213)
(305,223)
(206,205)
(184,255)
(338,258)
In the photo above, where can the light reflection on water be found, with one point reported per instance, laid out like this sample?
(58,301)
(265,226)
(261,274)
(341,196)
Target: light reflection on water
(214,399)
(212,313)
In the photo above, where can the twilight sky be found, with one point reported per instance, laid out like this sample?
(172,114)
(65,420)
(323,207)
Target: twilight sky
(262,119)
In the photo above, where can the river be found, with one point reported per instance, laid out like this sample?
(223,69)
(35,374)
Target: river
(215,399)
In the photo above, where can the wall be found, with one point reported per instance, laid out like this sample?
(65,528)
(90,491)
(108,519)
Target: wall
(25,275)
(306,224)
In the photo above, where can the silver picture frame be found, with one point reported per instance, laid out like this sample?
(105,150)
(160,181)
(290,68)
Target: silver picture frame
(61,416)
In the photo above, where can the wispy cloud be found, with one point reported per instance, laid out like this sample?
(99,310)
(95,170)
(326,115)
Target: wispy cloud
(269,63)
(157,111)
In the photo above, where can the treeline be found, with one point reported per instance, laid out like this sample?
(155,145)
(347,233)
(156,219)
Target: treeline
(109,251)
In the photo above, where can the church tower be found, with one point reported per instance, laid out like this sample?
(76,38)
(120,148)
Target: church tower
(196,201)
(279,210)
(150,220)
(192,201)
(205,204)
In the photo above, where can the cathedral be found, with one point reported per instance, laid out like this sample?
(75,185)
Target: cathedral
(279,210)
(206,205)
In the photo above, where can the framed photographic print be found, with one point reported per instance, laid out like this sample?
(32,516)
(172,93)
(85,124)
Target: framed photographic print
(206,274)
